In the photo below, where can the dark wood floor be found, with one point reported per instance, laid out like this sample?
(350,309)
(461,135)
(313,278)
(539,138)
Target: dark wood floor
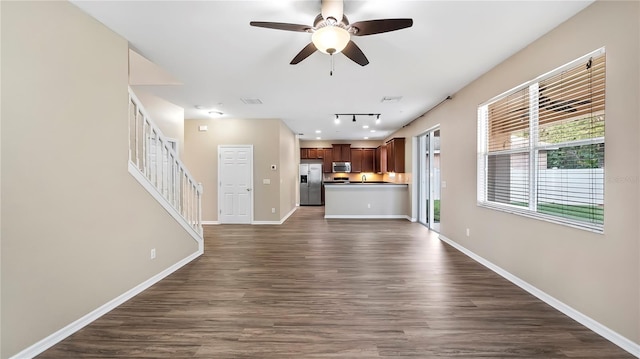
(315,288)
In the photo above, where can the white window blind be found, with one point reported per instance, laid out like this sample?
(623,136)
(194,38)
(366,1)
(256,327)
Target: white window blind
(541,146)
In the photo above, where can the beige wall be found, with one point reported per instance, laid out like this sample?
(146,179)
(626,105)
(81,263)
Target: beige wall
(77,229)
(201,157)
(597,274)
(167,116)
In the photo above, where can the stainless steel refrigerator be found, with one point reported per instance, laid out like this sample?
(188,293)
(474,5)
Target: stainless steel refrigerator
(311,184)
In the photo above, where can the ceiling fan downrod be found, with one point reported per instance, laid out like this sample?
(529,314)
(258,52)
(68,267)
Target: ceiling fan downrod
(332,65)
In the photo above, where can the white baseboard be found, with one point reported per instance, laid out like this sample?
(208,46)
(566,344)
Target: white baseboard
(602,330)
(288,215)
(63,333)
(276,222)
(367,216)
(210,223)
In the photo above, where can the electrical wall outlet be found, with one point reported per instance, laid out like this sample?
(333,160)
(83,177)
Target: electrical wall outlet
(467,232)
(273,210)
(153,253)
(368,205)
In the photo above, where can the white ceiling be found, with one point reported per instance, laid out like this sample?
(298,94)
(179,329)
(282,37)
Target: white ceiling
(210,48)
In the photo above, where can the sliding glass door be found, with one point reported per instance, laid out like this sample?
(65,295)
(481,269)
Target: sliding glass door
(429,179)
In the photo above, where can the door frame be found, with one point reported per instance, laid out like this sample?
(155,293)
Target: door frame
(422,172)
(251,185)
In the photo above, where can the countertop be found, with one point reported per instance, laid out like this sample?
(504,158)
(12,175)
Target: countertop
(365,183)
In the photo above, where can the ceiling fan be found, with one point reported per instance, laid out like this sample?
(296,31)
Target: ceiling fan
(331,36)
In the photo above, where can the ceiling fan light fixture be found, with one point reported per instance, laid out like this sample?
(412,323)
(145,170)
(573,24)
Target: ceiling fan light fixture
(330,39)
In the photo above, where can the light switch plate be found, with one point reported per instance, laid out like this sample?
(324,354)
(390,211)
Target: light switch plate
(443,184)
(266,181)
(203,128)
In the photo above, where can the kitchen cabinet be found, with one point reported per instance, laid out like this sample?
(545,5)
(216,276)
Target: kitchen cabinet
(395,155)
(380,164)
(356,160)
(362,159)
(327,153)
(342,153)
(368,156)
(311,153)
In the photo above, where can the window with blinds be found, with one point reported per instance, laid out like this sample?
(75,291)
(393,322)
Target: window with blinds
(541,146)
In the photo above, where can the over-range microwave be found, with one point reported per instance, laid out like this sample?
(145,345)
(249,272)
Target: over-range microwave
(341,167)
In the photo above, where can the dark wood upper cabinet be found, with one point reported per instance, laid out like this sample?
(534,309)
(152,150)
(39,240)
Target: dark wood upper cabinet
(380,165)
(327,162)
(395,155)
(356,160)
(342,153)
(362,160)
(311,153)
(368,156)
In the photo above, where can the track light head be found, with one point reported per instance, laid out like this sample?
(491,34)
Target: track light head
(354,118)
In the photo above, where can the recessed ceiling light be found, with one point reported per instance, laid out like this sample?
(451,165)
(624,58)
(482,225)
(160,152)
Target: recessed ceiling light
(318,131)
(366,138)
(365,126)
(372,131)
(318,138)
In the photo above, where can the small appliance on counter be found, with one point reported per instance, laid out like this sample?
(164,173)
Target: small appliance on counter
(311,184)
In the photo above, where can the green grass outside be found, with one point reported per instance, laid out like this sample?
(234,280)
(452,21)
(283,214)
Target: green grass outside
(436,210)
(592,214)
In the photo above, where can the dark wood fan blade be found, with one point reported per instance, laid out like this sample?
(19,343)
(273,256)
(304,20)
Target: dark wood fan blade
(371,27)
(304,53)
(281,26)
(353,52)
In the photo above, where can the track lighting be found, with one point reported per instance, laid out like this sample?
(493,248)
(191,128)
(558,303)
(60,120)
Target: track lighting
(353,116)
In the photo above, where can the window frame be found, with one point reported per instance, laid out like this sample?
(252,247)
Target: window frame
(532,150)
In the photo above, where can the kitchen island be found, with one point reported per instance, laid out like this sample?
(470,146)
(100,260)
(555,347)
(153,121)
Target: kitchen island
(366,200)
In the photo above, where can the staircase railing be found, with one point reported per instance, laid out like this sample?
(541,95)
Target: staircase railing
(153,157)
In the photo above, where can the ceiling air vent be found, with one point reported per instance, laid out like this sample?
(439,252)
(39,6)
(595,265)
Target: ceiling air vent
(251,101)
(391,99)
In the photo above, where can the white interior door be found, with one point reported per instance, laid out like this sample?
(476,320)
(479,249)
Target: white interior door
(235,193)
